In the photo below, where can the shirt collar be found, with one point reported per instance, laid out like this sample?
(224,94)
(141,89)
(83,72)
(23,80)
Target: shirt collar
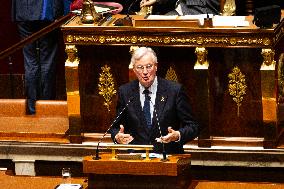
(152,88)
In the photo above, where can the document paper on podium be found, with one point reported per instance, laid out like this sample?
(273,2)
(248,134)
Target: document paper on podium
(69,186)
(199,17)
(166,21)
(234,21)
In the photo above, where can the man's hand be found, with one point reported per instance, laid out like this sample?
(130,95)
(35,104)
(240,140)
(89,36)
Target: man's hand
(144,3)
(171,136)
(122,138)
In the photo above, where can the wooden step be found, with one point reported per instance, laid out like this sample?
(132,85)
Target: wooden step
(50,120)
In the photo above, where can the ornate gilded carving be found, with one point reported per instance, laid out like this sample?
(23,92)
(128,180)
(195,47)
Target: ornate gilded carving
(161,40)
(266,41)
(69,38)
(106,86)
(132,49)
(171,75)
(102,39)
(233,41)
(229,8)
(268,59)
(146,10)
(201,61)
(237,86)
(72,56)
(281,79)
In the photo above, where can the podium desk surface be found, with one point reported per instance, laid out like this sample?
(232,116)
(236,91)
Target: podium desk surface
(76,33)
(175,165)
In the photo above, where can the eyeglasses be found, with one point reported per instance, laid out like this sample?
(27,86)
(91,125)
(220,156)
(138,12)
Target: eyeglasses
(141,68)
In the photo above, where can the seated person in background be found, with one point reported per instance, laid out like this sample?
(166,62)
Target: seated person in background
(186,7)
(158,8)
(153,107)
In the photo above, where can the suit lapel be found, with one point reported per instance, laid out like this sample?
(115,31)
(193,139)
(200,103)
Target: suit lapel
(136,102)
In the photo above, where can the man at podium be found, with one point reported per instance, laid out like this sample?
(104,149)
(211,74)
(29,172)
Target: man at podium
(152,110)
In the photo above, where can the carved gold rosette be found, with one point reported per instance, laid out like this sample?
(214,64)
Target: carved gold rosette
(171,75)
(237,86)
(168,40)
(106,86)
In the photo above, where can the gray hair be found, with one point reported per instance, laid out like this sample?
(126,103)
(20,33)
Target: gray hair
(141,52)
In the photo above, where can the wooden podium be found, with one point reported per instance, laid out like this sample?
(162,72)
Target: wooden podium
(109,172)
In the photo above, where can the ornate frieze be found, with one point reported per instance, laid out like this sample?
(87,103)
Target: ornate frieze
(169,40)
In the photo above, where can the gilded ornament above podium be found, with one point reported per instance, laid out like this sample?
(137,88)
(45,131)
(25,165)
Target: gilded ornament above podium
(185,40)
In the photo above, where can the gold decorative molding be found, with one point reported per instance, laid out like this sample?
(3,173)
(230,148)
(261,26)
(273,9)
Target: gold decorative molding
(201,61)
(237,86)
(229,8)
(106,86)
(171,75)
(72,56)
(268,59)
(162,40)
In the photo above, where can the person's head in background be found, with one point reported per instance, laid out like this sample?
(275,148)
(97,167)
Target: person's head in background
(144,62)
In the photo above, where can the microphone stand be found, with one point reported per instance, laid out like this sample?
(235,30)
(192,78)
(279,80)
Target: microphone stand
(126,21)
(97,157)
(158,123)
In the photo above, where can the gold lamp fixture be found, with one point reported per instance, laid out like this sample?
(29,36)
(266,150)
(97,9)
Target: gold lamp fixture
(89,14)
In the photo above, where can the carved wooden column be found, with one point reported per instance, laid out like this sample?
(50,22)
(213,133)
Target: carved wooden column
(269,107)
(201,72)
(73,94)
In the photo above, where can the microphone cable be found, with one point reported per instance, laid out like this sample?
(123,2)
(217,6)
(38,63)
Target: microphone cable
(97,157)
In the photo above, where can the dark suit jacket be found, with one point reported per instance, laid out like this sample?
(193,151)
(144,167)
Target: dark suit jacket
(31,10)
(172,108)
(191,7)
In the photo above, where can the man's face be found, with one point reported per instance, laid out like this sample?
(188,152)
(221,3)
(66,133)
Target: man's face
(145,70)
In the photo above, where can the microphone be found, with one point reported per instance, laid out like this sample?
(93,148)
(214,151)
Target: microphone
(208,22)
(126,21)
(130,7)
(159,127)
(114,121)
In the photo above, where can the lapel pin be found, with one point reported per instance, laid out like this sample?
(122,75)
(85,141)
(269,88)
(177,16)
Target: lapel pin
(162,99)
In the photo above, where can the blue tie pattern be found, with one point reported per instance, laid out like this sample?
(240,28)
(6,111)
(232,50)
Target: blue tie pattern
(146,108)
